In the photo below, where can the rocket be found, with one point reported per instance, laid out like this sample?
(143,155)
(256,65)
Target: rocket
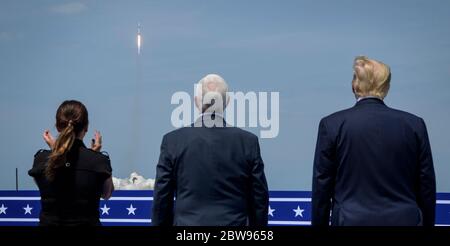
(139,38)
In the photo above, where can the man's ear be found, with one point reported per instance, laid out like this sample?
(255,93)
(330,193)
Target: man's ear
(196,99)
(354,91)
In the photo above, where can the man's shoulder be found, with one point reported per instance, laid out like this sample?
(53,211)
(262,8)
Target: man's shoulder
(189,130)
(177,132)
(406,115)
(241,132)
(352,112)
(338,115)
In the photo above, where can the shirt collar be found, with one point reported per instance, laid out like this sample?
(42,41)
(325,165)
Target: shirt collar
(361,98)
(210,119)
(209,113)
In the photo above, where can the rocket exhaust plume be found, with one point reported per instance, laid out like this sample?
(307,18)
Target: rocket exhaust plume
(139,39)
(133,149)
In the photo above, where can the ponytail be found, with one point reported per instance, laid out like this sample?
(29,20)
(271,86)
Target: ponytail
(62,145)
(71,120)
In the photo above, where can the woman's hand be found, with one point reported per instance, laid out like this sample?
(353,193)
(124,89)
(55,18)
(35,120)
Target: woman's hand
(108,188)
(96,142)
(48,138)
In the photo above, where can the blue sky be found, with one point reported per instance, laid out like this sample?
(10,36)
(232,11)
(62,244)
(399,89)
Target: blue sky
(85,50)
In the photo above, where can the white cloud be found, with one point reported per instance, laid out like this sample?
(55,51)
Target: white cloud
(68,8)
(134,182)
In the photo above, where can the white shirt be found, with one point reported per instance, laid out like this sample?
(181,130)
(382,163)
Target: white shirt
(361,98)
(204,114)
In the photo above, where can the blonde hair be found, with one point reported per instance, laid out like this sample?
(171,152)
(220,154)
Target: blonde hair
(370,77)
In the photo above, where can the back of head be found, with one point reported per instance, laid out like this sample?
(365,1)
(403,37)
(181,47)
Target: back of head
(211,94)
(370,78)
(71,121)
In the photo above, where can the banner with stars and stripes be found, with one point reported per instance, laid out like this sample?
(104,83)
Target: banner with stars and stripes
(126,208)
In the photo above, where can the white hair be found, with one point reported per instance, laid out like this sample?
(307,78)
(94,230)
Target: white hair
(212,88)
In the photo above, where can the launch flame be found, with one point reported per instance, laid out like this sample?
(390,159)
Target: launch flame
(139,44)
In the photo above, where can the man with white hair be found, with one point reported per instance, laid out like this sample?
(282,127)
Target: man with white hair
(373,164)
(215,171)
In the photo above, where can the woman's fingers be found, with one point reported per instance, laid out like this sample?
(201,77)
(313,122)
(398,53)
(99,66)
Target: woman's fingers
(98,137)
(48,138)
(96,143)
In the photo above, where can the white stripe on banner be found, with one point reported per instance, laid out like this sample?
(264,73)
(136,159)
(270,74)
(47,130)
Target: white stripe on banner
(151,199)
(443,202)
(24,198)
(124,198)
(127,220)
(19,220)
(130,199)
(16,198)
(102,220)
(278,222)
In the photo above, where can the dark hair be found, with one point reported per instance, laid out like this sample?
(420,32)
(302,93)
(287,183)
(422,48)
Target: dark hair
(71,120)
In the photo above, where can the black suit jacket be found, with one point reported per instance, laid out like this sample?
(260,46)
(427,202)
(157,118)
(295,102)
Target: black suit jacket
(216,175)
(373,166)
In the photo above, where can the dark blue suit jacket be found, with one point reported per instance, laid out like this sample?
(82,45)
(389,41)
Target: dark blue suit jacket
(373,166)
(216,175)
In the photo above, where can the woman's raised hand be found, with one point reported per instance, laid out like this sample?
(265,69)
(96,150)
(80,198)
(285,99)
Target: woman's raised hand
(96,142)
(48,138)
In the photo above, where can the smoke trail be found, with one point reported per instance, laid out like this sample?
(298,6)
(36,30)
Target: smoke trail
(136,110)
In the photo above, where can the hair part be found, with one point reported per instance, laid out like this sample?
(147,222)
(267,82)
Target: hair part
(71,120)
(370,78)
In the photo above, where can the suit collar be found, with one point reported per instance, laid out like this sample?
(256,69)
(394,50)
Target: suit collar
(210,120)
(370,100)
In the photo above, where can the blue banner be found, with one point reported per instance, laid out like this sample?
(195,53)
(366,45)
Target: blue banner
(127,208)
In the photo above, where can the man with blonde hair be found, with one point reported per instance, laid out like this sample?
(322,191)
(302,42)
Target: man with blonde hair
(215,171)
(373,164)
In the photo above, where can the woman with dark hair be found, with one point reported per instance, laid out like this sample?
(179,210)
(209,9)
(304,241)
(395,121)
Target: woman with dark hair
(71,178)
